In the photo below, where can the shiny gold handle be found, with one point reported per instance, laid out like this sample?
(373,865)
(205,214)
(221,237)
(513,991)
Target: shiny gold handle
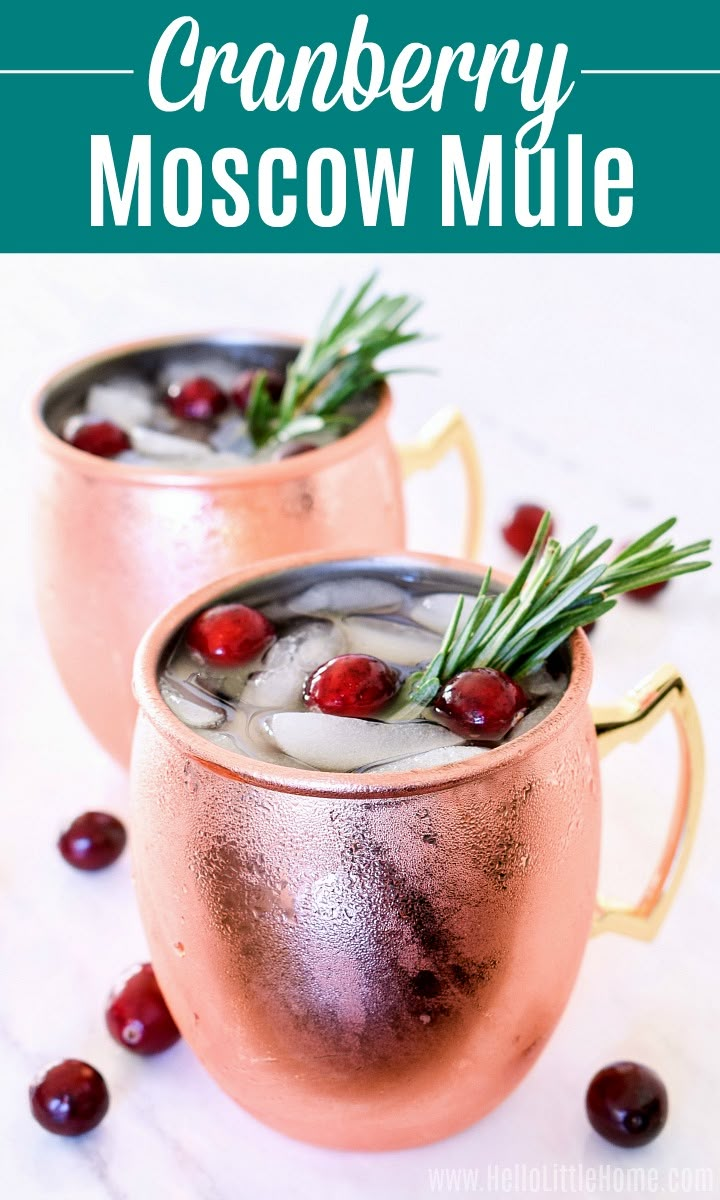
(447,431)
(629,721)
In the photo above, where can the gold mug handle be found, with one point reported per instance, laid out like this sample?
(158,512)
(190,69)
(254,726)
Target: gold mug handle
(447,431)
(629,721)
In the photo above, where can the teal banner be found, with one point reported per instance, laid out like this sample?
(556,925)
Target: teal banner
(383,126)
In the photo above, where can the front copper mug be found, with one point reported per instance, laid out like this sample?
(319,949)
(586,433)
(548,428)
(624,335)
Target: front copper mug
(375,961)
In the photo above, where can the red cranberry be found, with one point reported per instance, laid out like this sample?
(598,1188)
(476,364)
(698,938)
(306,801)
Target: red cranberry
(351,685)
(137,1015)
(196,400)
(647,592)
(69,1098)
(292,449)
(627,1104)
(481,704)
(520,530)
(230,634)
(101,438)
(241,389)
(93,840)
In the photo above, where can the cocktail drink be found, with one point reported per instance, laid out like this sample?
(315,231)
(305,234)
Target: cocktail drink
(194,413)
(316,678)
(366,828)
(167,464)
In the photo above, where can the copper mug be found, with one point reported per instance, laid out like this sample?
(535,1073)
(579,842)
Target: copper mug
(373,961)
(116,544)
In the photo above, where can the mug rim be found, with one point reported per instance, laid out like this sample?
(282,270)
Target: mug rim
(154,476)
(349,785)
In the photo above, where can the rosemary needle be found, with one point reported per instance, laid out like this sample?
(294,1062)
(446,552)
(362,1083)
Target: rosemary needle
(331,368)
(555,592)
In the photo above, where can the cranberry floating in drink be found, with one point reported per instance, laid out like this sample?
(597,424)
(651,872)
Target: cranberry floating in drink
(242,389)
(481,705)
(352,685)
(199,399)
(229,634)
(101,438)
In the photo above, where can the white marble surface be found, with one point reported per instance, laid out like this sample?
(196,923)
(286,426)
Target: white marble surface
(591,384)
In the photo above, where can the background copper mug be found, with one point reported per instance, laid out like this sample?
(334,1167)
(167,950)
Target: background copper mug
(116,544)
(375,961)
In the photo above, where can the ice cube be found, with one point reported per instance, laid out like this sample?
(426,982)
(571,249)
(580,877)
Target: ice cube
(155,444)
(537,714)
(289,661)
(125,402)
(346,743)
(231,436)
(435,611)
(541,684)
(226,741)
(393,641)
(273,689)
(226,685)
(350,596)
(307,644)
(192,704)
(442,757)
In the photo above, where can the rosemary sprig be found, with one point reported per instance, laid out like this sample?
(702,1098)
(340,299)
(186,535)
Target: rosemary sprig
(555,592)
(335,365)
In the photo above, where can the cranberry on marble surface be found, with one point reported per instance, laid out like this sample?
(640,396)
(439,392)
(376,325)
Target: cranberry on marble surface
(627,1104)
(69,1098)
(137,1015)
(519,531)
(92,841)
